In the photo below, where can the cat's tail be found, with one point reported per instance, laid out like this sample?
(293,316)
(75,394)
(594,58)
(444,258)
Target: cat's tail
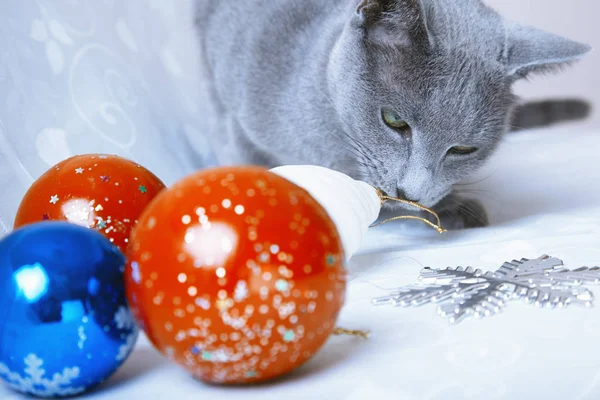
(540,114)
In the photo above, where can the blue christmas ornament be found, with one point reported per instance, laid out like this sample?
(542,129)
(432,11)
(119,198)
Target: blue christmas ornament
(65,326)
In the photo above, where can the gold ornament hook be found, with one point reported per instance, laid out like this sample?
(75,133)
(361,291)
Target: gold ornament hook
(384,198)
(348,332)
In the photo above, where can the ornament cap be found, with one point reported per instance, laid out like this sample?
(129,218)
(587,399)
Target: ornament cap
(353,205)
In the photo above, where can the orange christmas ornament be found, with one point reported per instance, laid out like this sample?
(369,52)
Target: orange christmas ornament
(236,274)
(102,192)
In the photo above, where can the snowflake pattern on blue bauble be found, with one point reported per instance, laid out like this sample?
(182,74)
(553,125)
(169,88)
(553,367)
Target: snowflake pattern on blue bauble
(125,322)
(37,384)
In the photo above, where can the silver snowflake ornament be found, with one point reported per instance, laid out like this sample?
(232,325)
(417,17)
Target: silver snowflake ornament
(470,292)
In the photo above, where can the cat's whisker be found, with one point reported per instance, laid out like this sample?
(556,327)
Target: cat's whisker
(486,196)
(472,213)
(472,191)
(355,174)
(476,182)
(356,152)
(356,141)
(480,195)
(513,127)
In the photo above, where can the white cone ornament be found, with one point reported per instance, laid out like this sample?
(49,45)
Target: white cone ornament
(352,205)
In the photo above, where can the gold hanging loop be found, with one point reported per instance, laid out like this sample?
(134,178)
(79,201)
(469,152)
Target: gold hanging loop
(384,198)
(348,332)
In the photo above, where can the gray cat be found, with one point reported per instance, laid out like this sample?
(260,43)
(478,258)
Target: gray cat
(411,96)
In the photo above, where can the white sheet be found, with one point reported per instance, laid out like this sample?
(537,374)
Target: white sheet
(543,196)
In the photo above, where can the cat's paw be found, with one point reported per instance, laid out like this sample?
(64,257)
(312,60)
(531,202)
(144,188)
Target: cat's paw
(460,213)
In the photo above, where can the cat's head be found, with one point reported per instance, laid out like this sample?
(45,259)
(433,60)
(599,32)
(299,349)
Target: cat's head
(423,87)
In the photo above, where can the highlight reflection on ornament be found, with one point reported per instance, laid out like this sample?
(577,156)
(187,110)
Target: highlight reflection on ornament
(32,281)
(101,192)
(64,322)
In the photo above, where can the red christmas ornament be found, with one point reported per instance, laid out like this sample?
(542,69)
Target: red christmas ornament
(236,274)
(102,192)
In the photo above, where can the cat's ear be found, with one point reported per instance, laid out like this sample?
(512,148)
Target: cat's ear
(394,22)
(530,50)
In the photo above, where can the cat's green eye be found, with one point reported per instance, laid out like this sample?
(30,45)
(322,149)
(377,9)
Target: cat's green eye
(393,120)
(462,150)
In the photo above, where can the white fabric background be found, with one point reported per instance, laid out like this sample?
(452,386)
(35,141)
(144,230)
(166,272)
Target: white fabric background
(106,76)
(119,77)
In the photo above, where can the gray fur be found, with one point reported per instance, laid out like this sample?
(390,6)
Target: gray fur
(537,114)
(304,81)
